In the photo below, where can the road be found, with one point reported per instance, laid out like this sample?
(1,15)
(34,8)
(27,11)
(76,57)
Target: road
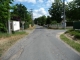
(43,44)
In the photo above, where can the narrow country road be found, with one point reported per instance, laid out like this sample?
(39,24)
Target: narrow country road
(43,44)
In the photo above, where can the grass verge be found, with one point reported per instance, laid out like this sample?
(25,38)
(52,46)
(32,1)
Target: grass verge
(72,43)
(7,40)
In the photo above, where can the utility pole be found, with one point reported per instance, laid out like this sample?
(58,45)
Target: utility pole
(64,20)
(32,14)
(9,27)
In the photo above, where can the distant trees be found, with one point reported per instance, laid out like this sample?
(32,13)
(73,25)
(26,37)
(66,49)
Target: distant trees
(40,20)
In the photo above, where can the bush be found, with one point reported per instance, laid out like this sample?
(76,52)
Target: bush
(2,28)
(26,25)
(54,22)
(75,33)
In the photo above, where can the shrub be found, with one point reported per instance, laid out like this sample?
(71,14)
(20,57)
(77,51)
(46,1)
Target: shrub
(2,28)
(53,22)
(75,33)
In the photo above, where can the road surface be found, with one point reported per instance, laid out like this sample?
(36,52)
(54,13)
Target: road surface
(43,44)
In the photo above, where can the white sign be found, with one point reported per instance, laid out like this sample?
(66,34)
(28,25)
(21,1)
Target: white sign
(16,25)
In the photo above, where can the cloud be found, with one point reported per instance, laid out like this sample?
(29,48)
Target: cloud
(29,1)
(49,2)
(69,0)
(39,12)
(41,1)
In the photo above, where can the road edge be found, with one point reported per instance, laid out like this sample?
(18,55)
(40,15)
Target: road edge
(58,36)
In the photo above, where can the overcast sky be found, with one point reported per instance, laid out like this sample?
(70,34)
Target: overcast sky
(40,7)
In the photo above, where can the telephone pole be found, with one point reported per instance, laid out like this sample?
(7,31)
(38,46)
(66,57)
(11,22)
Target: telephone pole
(64,20)
(32,14)
(9,17)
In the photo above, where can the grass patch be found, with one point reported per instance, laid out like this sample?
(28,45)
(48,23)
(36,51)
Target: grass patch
(75,33)
(72,43)
(7,40)
(5,35)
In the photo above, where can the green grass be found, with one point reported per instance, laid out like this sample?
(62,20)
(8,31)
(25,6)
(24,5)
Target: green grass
(4,35)
(72,43)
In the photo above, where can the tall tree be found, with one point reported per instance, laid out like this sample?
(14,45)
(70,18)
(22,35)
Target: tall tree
(73,11)
(20,13)
(78,2)
(4,14)
(48,20)
(56,10)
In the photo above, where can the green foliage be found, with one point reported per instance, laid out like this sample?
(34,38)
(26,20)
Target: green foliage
(48,20)
(56,10)
(2,28)
(40,20)
(26,25)
(73,10)
(77,2)
(4,35)
(4,14)
(20,13)
(75,33)
(53,22)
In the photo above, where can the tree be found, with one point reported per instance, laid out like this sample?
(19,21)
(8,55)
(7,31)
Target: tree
(77,2)
(19,11)
(56,10)
(48,20)
(4,14)
(73,11)
(21,14)
(40,20)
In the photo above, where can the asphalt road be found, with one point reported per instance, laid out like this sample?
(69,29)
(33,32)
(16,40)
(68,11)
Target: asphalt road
(43,44)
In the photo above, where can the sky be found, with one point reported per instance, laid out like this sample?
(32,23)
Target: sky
(39,7)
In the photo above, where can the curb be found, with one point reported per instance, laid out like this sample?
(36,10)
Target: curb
(58,35)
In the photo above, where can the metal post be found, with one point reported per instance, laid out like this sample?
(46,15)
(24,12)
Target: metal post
(64,20)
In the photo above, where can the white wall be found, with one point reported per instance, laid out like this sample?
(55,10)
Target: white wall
(15,25)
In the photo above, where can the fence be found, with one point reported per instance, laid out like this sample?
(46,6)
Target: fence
(76,25)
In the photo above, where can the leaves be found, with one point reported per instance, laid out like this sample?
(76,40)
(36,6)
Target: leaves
(40,20)
(56,10)
(20,13)
(73,10)
(4,8)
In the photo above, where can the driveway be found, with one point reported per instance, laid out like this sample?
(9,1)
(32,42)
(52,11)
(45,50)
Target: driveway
(41,44)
